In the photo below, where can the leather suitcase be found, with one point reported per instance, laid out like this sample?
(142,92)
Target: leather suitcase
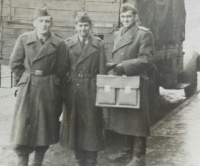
(118,91)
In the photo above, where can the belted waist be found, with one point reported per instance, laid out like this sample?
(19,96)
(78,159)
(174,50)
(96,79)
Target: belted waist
(81,75)
(38,72)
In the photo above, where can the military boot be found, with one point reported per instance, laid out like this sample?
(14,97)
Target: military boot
(80,157)
(90,162)
(125,154)
(80,164)
(38,158)
(137,162)
(23,160)
(91,158)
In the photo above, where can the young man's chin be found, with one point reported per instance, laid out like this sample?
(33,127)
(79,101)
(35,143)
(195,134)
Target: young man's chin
(126,25)
(43,32)
(84,35)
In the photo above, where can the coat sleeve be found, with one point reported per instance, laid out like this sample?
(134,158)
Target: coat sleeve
(144,62)
(102,60)
(62,61)
(17,60)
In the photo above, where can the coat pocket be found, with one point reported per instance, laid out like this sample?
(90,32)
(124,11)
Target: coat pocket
(23,80)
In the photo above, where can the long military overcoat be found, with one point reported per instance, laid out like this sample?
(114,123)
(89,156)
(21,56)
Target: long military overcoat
(135,50)
(38,69)
(82,125)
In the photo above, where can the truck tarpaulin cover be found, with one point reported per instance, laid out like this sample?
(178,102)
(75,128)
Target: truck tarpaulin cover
(165,18)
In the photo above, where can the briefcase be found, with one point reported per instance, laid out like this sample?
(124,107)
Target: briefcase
(118,91)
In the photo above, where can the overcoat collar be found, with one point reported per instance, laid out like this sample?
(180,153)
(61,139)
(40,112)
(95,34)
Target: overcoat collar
(48,47)
(125,39)
(89,49)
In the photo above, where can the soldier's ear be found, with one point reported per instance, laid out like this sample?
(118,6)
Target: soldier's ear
(34,23)
(75,26)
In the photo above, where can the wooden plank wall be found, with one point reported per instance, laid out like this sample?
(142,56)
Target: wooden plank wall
(17,17)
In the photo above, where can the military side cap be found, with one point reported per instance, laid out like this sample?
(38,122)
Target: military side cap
(82,17)
(128,6)
(40,12)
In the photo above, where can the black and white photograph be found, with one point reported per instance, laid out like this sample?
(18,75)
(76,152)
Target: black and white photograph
(99,82)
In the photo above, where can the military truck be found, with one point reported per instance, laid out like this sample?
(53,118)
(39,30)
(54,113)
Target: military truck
(166,19)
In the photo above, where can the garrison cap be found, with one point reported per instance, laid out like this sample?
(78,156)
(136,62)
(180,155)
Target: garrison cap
(83,17)
(40,12)
(128,6)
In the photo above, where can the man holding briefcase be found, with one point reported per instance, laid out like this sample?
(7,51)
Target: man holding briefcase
(133,55)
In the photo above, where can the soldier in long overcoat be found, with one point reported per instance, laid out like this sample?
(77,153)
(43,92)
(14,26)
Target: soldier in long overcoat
(133,53)
(38,67)
(82,125)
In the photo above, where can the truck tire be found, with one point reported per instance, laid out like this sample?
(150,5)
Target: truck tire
(154,99)
(192,88)
(190,74)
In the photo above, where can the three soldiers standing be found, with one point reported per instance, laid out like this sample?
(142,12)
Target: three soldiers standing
(45,67)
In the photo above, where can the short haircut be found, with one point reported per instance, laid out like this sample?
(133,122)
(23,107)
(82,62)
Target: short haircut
(83,17)
(128,6)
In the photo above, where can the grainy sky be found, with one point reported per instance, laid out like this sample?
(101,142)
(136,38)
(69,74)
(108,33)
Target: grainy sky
(192,41)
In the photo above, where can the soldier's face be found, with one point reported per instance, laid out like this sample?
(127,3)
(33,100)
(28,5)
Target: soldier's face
(83,29)
(128,18)
(43,24)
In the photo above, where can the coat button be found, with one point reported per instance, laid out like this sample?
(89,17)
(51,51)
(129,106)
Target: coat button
(77,84)
(33,83)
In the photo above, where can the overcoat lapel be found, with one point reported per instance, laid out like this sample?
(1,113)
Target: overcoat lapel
(35,48)
(89,49)
(39,50)
(77,49)
(46,49)
(85,52)
(34,44)
(125,39)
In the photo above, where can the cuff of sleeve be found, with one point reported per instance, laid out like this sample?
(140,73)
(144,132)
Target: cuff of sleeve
(125,67)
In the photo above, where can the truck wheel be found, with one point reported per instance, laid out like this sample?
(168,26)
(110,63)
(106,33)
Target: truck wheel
(192,88)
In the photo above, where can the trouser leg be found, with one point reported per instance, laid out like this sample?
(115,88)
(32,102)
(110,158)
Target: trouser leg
(86,158)
(23,152)
(139,149)
(127,151)
(91,158)
(80,157)
(139,152)
(39,155)
(129,144)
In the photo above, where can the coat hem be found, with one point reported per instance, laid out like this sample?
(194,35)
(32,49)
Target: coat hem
(127,133)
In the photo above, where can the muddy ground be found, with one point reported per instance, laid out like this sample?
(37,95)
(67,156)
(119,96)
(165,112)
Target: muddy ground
(56,155)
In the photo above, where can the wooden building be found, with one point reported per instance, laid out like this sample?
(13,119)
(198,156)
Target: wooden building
(17,16)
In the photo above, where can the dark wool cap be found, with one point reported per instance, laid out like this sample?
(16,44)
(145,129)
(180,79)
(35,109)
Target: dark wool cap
(40,12)
(82,17)
(127,6)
